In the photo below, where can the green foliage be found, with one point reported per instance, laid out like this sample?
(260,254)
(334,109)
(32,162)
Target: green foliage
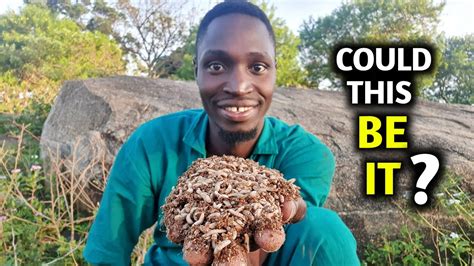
(451,243)
(36,44)
(289,71)
(363,21)
(185,55)
(409,250)
(39,51)
(453,81)
(93,15)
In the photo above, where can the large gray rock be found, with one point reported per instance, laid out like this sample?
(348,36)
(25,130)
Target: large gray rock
(91,119)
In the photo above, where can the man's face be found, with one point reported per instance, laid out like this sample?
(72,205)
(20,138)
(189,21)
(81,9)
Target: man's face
(236,73)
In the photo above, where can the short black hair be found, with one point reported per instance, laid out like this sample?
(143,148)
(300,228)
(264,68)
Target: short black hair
(232,7)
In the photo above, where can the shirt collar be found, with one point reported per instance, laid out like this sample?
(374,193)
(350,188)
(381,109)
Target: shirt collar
(266,143)
(195,137)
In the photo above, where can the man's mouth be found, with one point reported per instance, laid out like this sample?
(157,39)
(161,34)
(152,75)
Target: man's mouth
(238,113)
(238,109)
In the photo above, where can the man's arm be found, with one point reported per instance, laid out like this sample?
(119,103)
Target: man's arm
(127,207)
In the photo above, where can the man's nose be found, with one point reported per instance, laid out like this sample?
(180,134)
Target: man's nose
(239,82)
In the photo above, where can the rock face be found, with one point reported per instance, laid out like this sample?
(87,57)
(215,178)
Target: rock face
(92,118)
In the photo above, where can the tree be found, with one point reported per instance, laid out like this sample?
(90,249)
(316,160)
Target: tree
(453,81)
(37,43)
(38,51)
(92,15)
(289,71)
(147,30)
(153,28)
(185,55)
(363,21)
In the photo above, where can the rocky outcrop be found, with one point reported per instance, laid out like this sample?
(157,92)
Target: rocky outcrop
(92,118)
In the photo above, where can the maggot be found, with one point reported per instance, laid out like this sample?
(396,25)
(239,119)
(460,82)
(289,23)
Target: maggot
(282,198)
(200,220)
(179,217)
(238,214)
(217,187)
(247,242)
(214,232)
(234,234)
(189,220)
(221,246)
(204,196)
(249,215)
(212,215)
(237,195)
(228,189)
(219,196)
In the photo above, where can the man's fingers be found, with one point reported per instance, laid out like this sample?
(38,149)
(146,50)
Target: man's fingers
(300,210)
(270,240)
(174,232)
(196,252)
(293,211)
(288,210)
(233,255)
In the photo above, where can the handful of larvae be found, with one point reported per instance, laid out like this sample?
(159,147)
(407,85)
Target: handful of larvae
(221,204)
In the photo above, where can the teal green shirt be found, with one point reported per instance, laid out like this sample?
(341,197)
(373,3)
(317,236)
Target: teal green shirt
(158,152)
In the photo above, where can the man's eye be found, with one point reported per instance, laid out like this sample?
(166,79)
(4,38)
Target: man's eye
(215,68)
(258,68)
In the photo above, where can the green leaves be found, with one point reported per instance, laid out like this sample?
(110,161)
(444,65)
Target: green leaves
(39,51)
(362,21)
(289,70)
(453,81)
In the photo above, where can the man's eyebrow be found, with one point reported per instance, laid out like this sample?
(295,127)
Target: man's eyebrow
(260,55)
(215,53)
(224,54)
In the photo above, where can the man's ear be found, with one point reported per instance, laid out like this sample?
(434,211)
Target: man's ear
(195,68)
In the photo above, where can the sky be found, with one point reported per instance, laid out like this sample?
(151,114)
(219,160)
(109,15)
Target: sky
(456,19)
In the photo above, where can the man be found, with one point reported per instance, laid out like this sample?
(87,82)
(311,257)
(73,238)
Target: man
(235,71)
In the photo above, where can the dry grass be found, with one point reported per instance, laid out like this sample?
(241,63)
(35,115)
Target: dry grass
(45,214)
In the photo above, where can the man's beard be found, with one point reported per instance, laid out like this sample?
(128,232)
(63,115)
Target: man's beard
(232,138)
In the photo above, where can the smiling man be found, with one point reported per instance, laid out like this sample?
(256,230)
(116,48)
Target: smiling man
(235,71)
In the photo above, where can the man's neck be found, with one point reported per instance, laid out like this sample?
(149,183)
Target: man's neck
(215,145)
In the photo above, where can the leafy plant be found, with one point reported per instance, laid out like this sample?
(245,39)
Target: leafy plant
(430,240)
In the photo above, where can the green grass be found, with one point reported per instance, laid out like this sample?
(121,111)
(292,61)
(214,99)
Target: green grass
(442,235)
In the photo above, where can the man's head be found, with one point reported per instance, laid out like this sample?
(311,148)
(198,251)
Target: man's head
(235,69)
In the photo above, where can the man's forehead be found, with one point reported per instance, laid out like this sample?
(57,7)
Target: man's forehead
(237,30)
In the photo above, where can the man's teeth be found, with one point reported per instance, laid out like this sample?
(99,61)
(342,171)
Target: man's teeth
(237,109)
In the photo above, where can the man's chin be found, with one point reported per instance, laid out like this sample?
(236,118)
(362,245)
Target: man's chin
(234,137)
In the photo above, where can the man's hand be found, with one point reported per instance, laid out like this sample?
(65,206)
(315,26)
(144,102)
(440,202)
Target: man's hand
(292,211)
(264,241)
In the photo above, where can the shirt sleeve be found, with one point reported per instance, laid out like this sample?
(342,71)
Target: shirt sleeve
(126,209)
(311,163)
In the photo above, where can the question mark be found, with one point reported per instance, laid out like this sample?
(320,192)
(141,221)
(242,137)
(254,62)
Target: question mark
(432,166)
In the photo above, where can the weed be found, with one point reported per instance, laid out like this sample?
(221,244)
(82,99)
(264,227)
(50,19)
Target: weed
(450,232)
(45,215)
